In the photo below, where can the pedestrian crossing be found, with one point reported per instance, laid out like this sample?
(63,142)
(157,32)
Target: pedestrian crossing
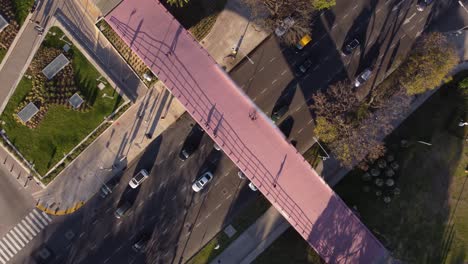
(20,235)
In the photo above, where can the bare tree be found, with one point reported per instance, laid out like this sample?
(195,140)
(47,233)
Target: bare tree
(271,14)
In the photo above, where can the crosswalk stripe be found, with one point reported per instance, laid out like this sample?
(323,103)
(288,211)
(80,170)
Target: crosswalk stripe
(8,244)
(24,231)
(33,232)
(2,260)
(12,241)
(13,234)
(5,256)
(46,216)
(22,237)
(36,221)
(40,217)
(31,224)
(7,250)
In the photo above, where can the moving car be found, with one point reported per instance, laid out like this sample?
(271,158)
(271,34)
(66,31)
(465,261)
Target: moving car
(201,182)
(138,179)
(278,113)
(252,187)
(141,242)
(303,42)
(122,210)
(216,147)
(363,77)
(108,187)
(284,26)
(350,46)
(191,142)
(304,67)
(422,4)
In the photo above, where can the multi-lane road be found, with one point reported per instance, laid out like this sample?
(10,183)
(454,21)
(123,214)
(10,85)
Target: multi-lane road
(182,221)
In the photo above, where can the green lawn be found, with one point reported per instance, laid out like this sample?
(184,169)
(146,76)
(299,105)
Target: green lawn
(22,9)
(2,54)
(62,128)
(289,248)
(428,222)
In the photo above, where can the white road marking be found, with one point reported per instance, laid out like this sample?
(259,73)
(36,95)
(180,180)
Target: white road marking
(36,220)
(261,69)
(326,58)
(33,231)
(218,206)
(40,217)
(264,90)
(378,10)
(404,36)
(20,234)
(46,216)
(334,26)
(346,15)
(316,67)
(307,75)
(300,130)
(17,239)
(7,242)
(6,249)
(285,71)
(310,121)
(356,6)
(273,82)
(272,59)
(24,231)
(32,225)
(4,256)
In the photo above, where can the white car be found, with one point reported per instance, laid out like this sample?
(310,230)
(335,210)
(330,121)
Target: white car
(363,77)
(200,183)
(138,179)
(253,187)
(284,26)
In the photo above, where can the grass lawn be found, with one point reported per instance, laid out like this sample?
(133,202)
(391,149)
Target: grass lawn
(62,128)
(428,222)
(22,9)
(241,222)
(2,54)
(198,16)
(289,248)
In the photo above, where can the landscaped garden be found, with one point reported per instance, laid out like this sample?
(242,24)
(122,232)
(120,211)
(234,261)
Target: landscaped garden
(58,126)
(13,13)
(130,57)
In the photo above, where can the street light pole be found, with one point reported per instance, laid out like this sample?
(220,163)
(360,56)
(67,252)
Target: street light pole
(462,5)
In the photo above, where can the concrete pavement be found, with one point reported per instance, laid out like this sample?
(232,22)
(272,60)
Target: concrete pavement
(233,30)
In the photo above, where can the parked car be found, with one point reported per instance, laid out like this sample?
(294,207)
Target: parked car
(363,77)
(191,142)
(241,175)
(141,242)
(350,46)
(108,187)
(138,179)
(216,147)
(201,182)
(252,187)
(122,210)
(422,4)
(304,67)
(278,113)
(34,6)
(284,26)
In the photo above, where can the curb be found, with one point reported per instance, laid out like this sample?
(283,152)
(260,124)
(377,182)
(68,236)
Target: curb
(67,211)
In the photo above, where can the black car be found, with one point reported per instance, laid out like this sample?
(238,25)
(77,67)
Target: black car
(304,67)
(191,142)
(422,4)
(141,242)
(34,6)
(350,46)
(108,187)
(278,113)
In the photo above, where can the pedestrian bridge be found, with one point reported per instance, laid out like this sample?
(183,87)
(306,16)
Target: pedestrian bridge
(245,134)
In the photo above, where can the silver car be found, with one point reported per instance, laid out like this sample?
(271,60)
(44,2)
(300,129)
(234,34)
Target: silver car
(201,182)
(363,77)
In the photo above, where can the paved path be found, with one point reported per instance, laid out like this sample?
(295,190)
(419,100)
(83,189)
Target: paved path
(233,30)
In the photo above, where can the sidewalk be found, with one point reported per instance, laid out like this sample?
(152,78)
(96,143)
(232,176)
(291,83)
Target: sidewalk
(232,30)
(253,241)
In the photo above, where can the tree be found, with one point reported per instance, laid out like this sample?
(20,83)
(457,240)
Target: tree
(354,130)
(428,65)
(271,14)
(178,3)
(323,4)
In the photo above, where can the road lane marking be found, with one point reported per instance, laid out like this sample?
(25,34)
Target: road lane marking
(285,71)
(32,225)
(316,67)
(334,26)
(217,207)
(273,82)
(36,220)
(310,121)
(8,244)
(300,131)
(404,36)
(346,15)
(378,10)
(264,90)
(356,6)
(33,231)
(46,216)
(261,69)
(82,234)
(6,249)
(25,232)
(20,235)
(4,256)
(107,259)
(40,217)
(272,59)
(13,241)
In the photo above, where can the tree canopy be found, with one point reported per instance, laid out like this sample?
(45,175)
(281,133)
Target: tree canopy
(323,4)
(428,65)
(178,3)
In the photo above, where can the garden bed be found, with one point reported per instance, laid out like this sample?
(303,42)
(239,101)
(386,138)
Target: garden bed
(132,59)
(57,128)
(8,34)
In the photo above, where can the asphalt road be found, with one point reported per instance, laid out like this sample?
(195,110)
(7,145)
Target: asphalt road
(180,220)
(386,30)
